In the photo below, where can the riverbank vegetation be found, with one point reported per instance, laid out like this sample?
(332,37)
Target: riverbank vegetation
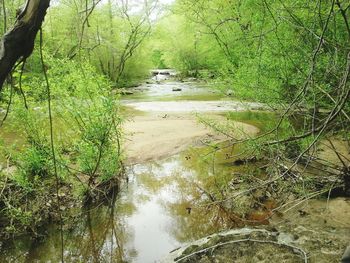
(294,57)
(67,153)
(87,133)
(61,116)
(290,55)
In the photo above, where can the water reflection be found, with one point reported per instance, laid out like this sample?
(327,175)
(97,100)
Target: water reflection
(162,207)
(98,237)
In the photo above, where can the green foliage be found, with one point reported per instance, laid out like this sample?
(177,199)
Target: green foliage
(112,39)
(99,143)
(158,60)
(275,52)
(177,44)
(86,121)
(87,136)
(34,160)
(262,50)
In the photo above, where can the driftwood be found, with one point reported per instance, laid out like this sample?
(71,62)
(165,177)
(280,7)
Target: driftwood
(18,43)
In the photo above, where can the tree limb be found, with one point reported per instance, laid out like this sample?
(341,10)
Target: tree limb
(18,42)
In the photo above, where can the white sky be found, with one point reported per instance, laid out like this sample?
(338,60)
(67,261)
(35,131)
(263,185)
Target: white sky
(140,2)
(133,2)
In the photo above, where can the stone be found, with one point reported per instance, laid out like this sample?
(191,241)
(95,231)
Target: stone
(127,92)
(229,93)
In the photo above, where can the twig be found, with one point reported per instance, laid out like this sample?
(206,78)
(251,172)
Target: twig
(20,84)
(52,142)
(9,104)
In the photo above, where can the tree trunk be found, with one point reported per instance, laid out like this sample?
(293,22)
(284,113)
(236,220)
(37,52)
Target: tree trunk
(18,42)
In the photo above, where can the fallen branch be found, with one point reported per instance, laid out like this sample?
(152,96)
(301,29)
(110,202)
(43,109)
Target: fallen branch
(294,248)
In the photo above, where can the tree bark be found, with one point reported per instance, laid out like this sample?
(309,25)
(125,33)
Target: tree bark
(18,42)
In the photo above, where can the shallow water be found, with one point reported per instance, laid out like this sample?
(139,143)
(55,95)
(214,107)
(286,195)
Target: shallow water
(149,219)
(192,97)
(164,92)
(193,106)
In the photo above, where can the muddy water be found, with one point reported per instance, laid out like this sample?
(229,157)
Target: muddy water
(159,209)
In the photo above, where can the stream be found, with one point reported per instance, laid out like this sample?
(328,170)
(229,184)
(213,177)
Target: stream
(160,207)
(155,212)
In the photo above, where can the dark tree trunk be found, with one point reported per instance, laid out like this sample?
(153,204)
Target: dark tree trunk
(18,42)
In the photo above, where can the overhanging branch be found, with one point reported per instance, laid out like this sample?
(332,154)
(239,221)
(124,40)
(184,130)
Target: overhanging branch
(18,42)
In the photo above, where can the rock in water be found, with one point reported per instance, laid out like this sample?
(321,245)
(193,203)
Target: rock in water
(126,92)
(229,93)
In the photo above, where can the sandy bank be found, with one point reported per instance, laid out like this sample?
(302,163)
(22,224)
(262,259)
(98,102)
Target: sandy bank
(154,137)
